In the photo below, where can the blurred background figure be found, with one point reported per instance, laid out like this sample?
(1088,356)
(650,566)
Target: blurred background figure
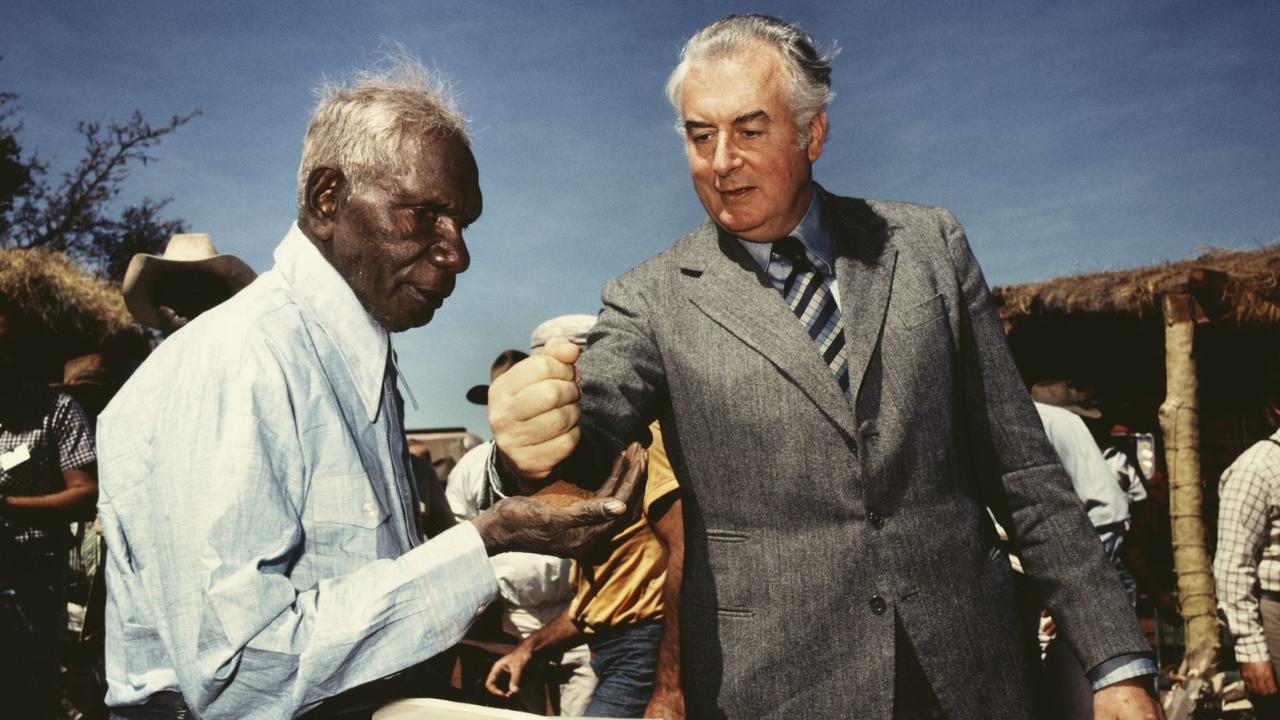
(47,479)
(1062,407)
(479,394)
(535,589)
(1246,568)
(165,292)
(619,596)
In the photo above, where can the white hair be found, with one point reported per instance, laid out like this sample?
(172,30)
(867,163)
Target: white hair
(359,126)
(806,69)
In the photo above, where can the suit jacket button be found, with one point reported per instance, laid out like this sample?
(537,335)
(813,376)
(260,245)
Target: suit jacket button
(876,519)
(878,605)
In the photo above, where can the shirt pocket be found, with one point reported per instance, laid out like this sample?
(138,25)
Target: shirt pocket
(346,517)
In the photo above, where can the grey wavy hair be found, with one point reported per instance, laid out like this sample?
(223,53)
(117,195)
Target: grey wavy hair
(358,126)
(807,69)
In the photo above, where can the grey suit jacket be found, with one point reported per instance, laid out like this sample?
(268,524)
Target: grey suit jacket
(812,523)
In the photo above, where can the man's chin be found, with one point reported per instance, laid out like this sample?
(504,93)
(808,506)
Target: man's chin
(746,228)
(408,322)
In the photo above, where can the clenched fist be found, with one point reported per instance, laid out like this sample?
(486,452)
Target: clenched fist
(527,524)
(534,412)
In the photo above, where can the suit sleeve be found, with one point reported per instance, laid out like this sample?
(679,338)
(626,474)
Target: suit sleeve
(623,382)
(1025,484)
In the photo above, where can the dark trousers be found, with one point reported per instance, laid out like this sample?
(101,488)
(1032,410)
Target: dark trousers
(33,621)
(624,660)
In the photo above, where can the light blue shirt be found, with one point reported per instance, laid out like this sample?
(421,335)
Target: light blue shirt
(816,238)
(259,514)
(813,235)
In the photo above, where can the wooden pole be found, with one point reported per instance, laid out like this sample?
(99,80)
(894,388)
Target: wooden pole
(1180,423)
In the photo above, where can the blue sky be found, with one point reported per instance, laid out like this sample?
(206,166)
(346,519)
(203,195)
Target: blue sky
(1067,137)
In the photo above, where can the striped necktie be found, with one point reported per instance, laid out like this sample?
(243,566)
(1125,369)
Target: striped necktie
(807,293)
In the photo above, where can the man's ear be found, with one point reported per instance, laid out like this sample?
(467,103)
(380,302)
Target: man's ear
(321,198)
(817,135)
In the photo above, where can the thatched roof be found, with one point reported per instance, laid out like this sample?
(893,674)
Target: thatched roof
(1241,287)
(62,301)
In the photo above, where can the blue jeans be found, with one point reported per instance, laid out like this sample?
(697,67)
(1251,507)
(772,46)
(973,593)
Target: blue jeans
(624,660)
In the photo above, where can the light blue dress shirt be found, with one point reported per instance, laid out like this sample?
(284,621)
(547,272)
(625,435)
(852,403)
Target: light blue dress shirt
(259,513)
(816,238)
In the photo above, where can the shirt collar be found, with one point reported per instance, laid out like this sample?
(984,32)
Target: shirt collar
(363,344)
(812,233)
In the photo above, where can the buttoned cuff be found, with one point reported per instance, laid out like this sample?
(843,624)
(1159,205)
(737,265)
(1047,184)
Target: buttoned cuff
(1251,649)
(1121,667)
(458,555)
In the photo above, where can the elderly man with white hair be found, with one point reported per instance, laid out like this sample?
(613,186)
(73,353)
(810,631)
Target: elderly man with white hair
(256,495)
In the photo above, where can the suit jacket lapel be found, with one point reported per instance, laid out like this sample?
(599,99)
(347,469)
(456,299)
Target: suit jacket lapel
(726,285)
(865,261)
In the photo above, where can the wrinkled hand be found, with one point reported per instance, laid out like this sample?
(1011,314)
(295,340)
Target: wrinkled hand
(667,704)
(525,524)
(1126,700)
(512,664)
(1259,678)
(533,410)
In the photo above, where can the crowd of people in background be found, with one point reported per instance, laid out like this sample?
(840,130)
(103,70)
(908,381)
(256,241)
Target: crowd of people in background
(274,547)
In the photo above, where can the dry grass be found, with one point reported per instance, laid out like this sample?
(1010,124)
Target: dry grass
(1250,295)
(62,300)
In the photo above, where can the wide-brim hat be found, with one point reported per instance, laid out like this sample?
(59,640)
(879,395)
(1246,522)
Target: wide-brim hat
(187,251)
(479,394)
(1066,395)
(88,369)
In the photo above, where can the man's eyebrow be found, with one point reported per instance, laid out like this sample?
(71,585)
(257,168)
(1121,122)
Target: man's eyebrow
(748,117)
(741,119)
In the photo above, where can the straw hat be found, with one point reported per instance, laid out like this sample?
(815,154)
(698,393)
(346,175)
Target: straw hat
(193,251)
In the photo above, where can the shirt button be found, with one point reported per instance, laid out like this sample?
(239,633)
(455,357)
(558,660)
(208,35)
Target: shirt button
(876,519)
(878,605)
(368,509)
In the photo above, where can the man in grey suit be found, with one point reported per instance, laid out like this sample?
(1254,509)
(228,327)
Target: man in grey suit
(841,409)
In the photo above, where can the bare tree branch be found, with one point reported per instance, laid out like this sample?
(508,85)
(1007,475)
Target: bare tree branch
(78,215)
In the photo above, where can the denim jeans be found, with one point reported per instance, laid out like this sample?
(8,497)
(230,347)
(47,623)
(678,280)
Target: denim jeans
(624,660)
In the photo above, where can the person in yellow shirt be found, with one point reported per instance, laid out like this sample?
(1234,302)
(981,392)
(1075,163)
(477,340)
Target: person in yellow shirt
(618,606)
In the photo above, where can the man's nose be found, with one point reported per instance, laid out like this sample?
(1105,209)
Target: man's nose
(726,159)
(450,251)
